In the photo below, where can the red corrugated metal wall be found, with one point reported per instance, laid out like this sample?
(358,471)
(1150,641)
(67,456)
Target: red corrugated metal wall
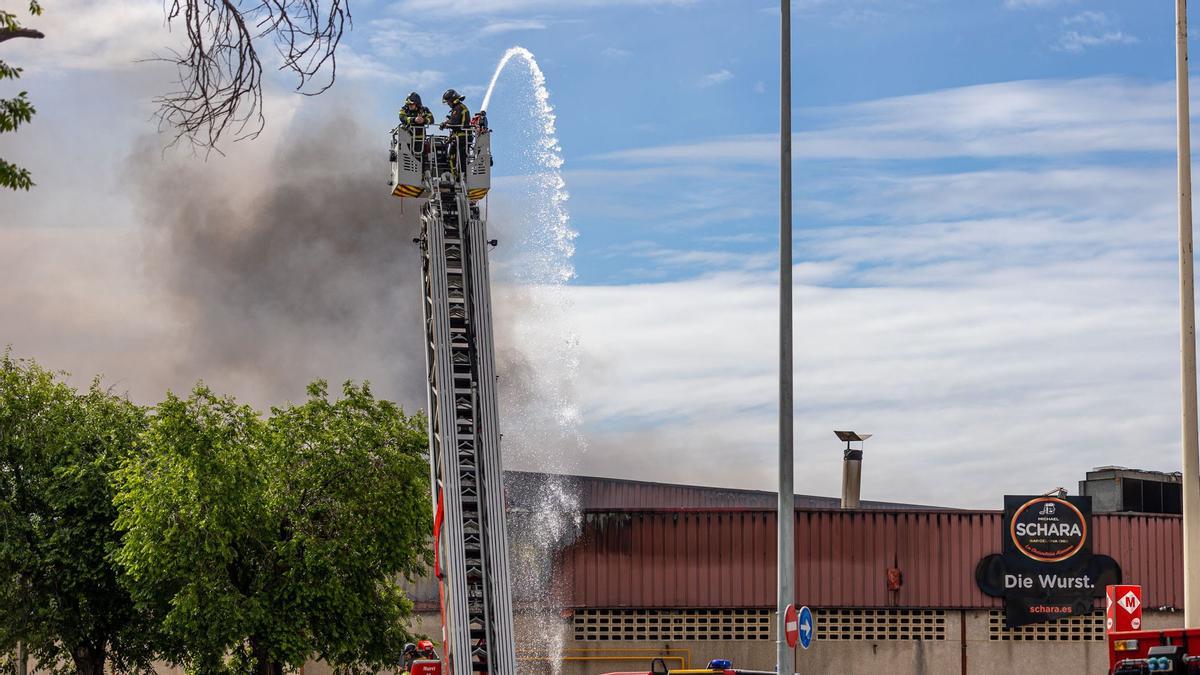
(727,558)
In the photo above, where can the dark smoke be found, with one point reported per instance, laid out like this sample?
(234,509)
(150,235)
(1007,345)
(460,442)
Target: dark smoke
(301,270)
(305,268)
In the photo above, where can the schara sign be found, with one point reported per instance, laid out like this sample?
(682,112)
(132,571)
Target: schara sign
(1046,569)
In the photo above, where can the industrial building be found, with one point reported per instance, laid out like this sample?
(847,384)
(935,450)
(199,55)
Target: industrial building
(688,573)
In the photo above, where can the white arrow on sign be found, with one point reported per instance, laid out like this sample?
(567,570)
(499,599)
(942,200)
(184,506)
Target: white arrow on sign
(805,628)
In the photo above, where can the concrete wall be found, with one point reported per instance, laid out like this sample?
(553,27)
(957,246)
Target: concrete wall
(539,652)
(981,654)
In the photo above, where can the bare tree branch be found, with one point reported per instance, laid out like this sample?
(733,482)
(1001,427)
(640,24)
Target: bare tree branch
(10,33)
(221,74)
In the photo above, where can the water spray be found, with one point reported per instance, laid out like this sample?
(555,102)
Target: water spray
(544,250)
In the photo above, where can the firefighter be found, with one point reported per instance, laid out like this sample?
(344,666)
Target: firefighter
(410,655)
(415,117)
(459,124)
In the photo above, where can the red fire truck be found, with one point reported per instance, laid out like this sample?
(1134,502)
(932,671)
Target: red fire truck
(1132,651)
(1138,652)
(722,666)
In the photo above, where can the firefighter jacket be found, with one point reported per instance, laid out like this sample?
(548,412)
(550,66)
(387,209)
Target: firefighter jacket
(408,115)
(459,119)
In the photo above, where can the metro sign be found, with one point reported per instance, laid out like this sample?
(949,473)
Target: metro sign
(1129,599)
(1129,602)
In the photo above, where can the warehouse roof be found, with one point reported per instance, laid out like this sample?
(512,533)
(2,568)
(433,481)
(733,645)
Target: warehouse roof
(526,490)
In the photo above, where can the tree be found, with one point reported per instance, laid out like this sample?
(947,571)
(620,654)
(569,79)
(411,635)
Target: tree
(61,593)
(15,111)
(260,544)
(220,73)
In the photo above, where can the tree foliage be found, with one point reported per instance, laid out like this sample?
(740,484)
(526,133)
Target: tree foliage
(221,69)
(18,110)
(60,592)
(261,543)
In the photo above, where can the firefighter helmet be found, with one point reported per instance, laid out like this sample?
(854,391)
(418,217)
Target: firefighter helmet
(451,97)
(414,98)
(424,645)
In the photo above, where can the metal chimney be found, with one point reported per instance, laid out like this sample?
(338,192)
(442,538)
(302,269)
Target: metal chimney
(851,468)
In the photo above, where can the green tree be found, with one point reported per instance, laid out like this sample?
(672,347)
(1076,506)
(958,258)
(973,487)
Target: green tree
(260,544)
(61,593)
(15,111)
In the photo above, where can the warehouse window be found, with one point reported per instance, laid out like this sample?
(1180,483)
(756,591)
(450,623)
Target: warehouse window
(1070,629)
(672,624)
(881,624)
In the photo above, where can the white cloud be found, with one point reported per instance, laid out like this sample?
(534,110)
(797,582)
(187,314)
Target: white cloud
(1035,4)
(719,77)
(615,53)
(493,7)
(353,64)
(1076,41)
(1056,360)
(1088,18)
(397,37)
(1009,119)
(511,25)
(1089,29)
(843,13)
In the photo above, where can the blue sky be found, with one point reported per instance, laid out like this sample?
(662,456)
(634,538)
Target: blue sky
(625,76)
(985,243)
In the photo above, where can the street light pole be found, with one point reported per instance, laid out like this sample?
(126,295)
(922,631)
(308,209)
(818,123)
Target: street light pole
(787,504)
(1187,322)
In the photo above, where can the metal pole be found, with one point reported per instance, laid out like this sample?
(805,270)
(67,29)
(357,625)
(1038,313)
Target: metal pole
(1187,318)
(787,504)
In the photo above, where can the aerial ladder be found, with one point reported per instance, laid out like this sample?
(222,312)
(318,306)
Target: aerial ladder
(471,545)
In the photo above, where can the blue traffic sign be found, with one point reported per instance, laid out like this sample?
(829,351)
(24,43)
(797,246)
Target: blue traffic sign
(807,627)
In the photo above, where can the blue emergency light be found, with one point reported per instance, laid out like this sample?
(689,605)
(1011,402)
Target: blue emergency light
(720,664)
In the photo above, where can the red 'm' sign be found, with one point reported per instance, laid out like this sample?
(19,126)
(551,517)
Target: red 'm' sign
(1123,609)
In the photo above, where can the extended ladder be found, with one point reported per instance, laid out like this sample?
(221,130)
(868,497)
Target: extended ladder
(465,465)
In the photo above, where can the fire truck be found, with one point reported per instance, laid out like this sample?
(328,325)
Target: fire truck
(1133,651)
(722,666)
(1138,652)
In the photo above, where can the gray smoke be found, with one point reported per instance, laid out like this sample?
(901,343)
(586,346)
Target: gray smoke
(305,268)
(299,270)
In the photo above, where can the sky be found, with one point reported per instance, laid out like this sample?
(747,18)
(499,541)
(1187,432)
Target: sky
(985,235)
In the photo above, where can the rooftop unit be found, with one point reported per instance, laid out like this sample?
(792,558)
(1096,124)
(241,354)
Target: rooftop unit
(1115,489)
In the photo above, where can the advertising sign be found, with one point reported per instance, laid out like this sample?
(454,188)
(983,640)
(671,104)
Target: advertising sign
(1046,569)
